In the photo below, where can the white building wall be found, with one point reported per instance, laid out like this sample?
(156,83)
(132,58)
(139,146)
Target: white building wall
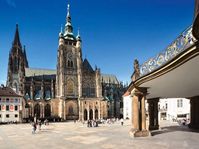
(127,107)
(13,101)
(168,106)
(172,110)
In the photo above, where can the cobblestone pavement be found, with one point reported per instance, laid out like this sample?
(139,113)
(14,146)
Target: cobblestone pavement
(77,136)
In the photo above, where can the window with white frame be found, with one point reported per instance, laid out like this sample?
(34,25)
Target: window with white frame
(179,103)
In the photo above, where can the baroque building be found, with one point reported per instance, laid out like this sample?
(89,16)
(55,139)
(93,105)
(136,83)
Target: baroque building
(73,91)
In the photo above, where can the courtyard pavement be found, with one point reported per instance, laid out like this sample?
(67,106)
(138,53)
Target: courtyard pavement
(71,135)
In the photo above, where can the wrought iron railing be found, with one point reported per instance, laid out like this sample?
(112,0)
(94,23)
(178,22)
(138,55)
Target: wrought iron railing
(184,41)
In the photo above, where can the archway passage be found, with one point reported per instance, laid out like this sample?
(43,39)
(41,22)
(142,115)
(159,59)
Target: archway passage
(70,110)
(85,115)
(91,114)
(47,110)
(37,110)
(96,114)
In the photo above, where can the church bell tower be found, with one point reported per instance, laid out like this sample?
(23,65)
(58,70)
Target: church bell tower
(69,61)
(16,65)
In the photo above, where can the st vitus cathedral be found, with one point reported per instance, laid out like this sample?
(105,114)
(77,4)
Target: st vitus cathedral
(73,91)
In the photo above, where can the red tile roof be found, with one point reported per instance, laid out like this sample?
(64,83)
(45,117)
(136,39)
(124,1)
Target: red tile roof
(8,92)
(127,93)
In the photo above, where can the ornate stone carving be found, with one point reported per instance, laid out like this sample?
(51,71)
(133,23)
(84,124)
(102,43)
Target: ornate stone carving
(184,41)
(136,73)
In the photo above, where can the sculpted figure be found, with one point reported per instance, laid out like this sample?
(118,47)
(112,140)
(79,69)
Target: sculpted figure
(136,69)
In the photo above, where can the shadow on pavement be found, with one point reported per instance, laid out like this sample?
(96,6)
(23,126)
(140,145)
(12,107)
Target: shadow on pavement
(168,129)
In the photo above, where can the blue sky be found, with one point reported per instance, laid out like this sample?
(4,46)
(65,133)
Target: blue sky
(113,32)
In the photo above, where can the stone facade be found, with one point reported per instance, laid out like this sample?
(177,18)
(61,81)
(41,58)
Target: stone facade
(73,91)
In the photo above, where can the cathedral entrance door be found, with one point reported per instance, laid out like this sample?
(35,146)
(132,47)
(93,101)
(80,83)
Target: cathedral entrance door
(96,114)
(47,110)
(85,115)
(37,110)
(91,114)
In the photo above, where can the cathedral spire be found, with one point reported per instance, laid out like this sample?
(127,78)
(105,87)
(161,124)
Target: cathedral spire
(78,35)
(68,33)
(68,11)
(61,32)
(25,57)
(16,38)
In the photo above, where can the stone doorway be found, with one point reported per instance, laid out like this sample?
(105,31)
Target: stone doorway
(47,110)
(96,114)
(91,114)
(37,110)
(85,115)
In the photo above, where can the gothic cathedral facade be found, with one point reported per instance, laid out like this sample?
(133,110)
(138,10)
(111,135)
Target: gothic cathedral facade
(78,85)
(71,92)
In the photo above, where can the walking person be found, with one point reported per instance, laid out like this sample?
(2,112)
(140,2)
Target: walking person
(88,123)
(34,127)
(39,124)
(122,121)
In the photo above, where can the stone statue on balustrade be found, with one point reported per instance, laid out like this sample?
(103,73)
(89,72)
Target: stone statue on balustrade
(136,73)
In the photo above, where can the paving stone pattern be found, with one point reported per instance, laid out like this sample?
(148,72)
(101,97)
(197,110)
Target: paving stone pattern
(71,135)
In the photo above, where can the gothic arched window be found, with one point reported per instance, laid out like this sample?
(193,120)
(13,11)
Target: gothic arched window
(70,87)
(15,66)
(68,63)
(71,63)
(70,60)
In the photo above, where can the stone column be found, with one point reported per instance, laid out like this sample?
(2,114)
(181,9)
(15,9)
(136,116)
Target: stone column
(93,110)
(143,112)
(61,108)
(99,110)
(153,113)
(81,117)
(135,114)
(52,89)
(88,111)
(139,113)
(31,91)
(64,109)
(51,108)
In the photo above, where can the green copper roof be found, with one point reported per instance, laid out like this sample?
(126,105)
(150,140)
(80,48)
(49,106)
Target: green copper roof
(38,72)
(109,78)
(106,78)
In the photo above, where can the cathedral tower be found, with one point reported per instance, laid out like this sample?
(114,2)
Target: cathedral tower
(69,62)
(16,65)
